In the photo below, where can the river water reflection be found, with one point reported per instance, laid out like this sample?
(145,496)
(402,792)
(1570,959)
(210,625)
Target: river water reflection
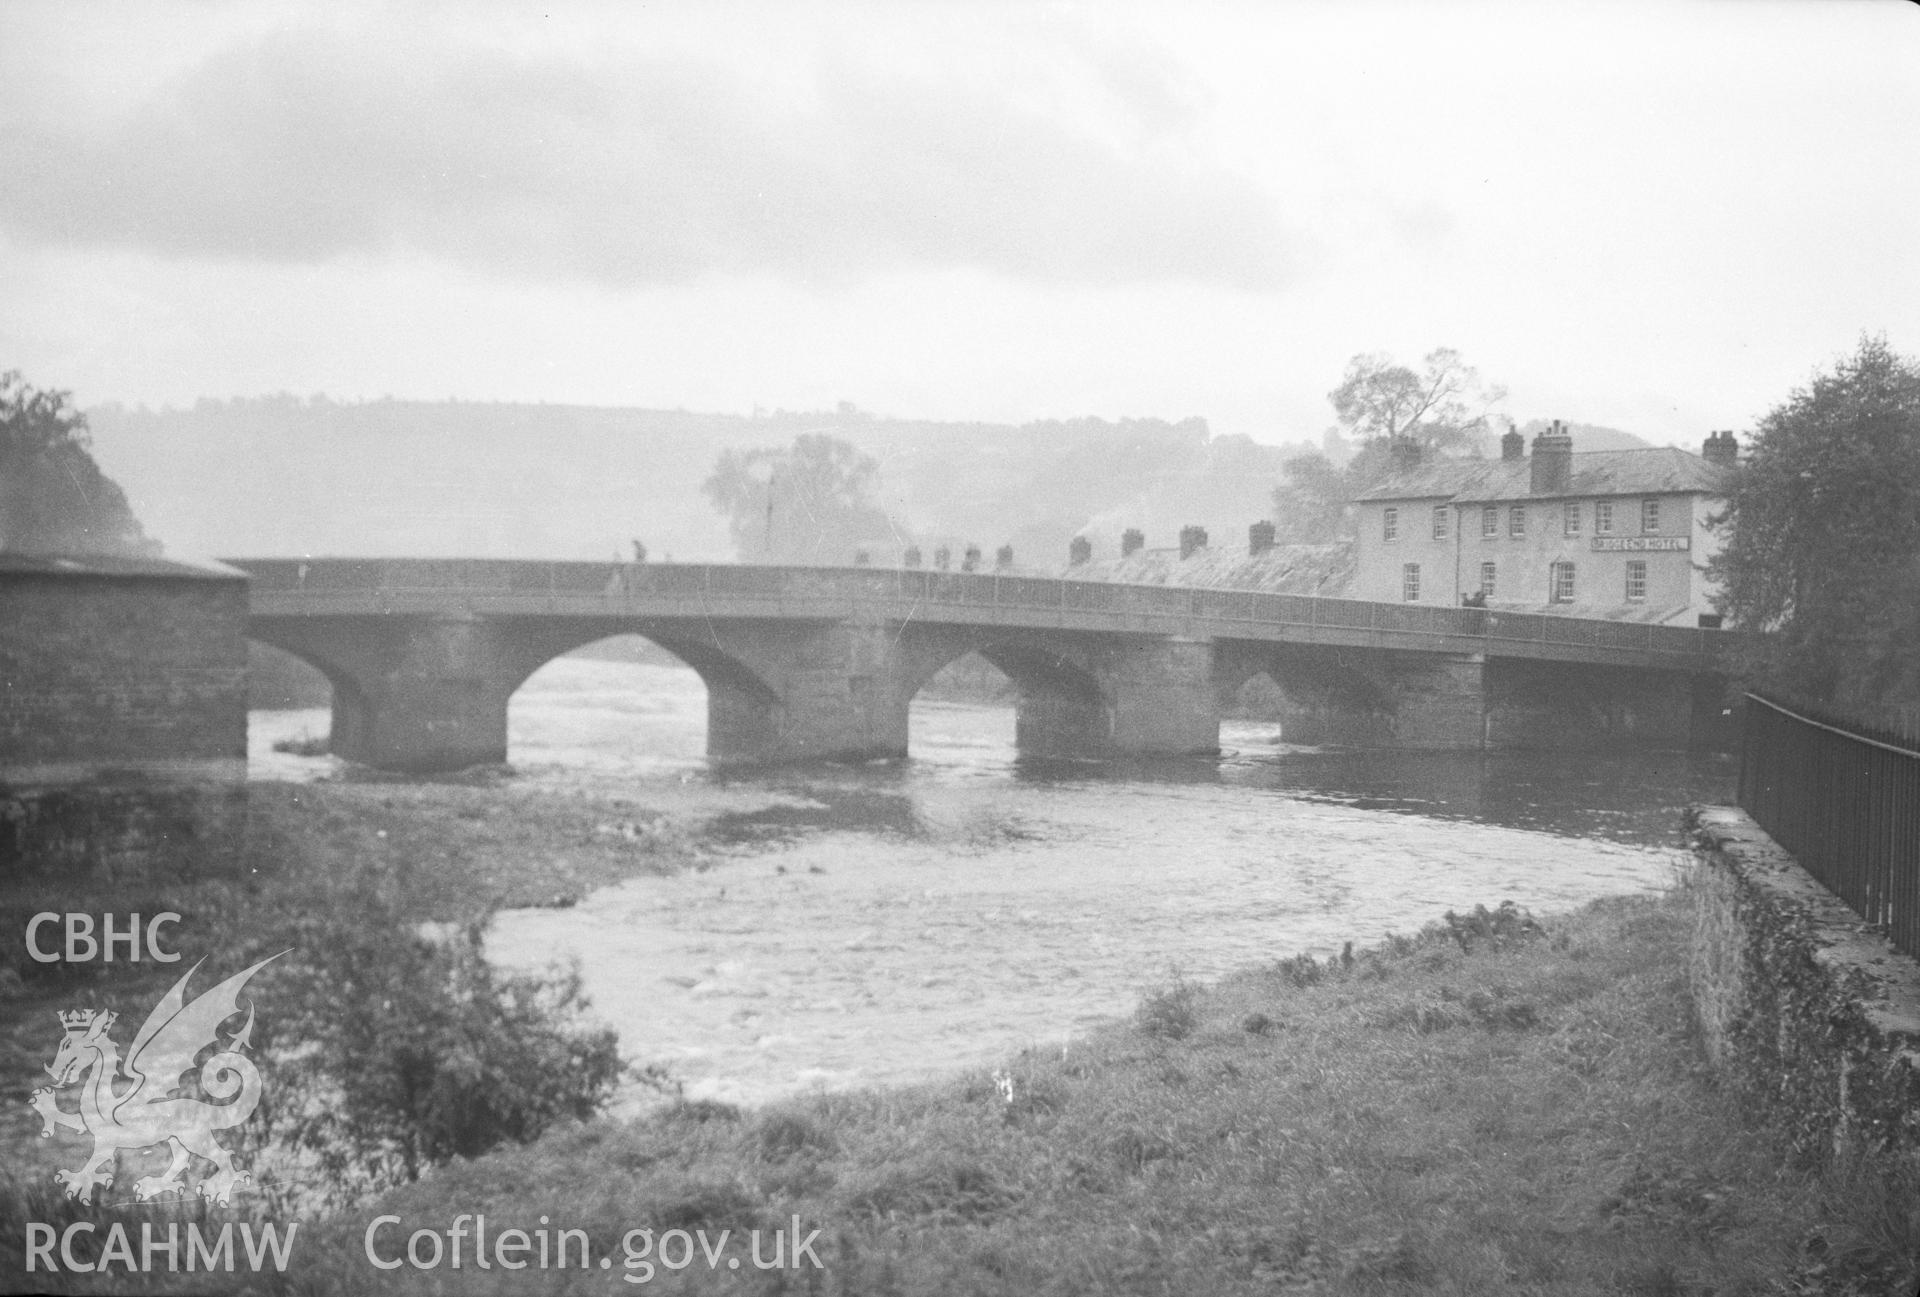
(889,923)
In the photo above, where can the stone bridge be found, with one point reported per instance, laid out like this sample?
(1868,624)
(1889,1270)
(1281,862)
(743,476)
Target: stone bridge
(807,663)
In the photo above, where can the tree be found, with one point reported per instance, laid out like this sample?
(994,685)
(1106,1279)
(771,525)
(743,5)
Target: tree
(53,498)
(807,504)
(1310,504)
(1822,530)
(1444,407)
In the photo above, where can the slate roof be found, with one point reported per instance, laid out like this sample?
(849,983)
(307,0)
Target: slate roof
(1661,470)
(1284,569)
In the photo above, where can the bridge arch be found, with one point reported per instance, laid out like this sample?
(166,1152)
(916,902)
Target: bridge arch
(1325,695)
(1079,695)
(1061,708)
(420,693)
(351,710)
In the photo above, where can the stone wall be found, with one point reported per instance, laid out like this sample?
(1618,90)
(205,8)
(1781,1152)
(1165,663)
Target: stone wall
(123,722)
(1807,1012)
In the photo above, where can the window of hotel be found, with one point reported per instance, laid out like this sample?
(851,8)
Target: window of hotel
(1603,517)
(1562,583)
(1517,520)
(1486,579)
(1489,522)
(1636,580)
(1570,518)
(1390,523)
(1439,522)
(1410,582)
(1649,517)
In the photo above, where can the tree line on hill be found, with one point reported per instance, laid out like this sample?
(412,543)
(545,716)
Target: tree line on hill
(1822,525)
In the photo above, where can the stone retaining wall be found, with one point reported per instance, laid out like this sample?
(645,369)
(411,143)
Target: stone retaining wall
(123,717)
(1807,1011)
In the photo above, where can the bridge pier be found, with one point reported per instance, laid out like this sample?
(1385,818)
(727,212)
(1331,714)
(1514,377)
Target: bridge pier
(1575,707)
(1366,697)
(1090,696)
(1436,701)
(831,692)
(1160,698)
(432,697)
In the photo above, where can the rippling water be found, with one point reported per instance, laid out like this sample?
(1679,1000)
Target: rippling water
(886,923)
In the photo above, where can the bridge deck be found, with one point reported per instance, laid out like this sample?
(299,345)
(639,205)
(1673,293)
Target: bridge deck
(654,591)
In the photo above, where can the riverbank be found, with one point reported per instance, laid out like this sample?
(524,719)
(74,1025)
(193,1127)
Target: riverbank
(1494,1105)
(324,864)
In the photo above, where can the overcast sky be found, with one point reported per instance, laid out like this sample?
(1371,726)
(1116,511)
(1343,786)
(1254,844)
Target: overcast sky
(1660,217)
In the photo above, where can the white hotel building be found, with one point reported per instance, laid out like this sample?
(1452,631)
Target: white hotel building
(1620,534)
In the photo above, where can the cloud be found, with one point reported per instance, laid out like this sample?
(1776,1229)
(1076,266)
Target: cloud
(305,146)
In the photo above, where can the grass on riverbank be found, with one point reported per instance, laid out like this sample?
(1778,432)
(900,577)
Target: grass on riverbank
(1493,1108)
(325,867)
(1496,1107)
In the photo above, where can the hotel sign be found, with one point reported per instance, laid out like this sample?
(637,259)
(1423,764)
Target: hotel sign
(1638,544)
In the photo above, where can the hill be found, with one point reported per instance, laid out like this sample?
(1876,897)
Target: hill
(285,475)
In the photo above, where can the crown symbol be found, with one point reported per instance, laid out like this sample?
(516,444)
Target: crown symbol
(74,1019)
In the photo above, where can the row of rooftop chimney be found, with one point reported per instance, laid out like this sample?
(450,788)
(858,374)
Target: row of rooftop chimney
(1552,459)
(1260,539)
(1552,470)
(943,558)
(1192,540)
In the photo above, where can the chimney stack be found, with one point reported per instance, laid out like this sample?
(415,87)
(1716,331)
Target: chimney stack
(1552,461)
(1079,551)
(1721,448)
(1405,452)
(912,557)
(1191,539)
(1132,539)
(1260,537)
(1513,445)
(970,562)
(1003,558)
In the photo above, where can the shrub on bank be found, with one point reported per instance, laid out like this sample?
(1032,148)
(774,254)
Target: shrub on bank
(389,1045)
(404,1052)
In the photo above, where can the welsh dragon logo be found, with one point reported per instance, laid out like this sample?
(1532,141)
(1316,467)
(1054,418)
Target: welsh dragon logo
(148,1112)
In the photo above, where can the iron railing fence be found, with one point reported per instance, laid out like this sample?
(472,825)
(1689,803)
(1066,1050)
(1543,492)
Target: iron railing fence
(1844,800)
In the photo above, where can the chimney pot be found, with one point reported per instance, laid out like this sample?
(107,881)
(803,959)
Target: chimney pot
(1552,469)
(1721,448)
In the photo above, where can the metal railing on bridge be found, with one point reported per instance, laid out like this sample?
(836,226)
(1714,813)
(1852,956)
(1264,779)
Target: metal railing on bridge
(1844,801)
(629,582)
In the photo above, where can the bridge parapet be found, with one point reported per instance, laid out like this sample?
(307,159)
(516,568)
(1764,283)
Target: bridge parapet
(284,587)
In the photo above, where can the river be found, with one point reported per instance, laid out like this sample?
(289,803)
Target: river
(889,923)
